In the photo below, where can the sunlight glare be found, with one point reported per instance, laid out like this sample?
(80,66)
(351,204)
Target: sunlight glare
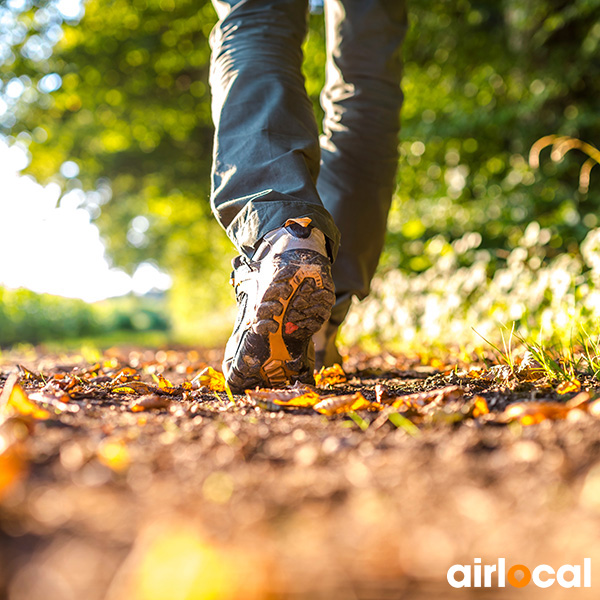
(51,247)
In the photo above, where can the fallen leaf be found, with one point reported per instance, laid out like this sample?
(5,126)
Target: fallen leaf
(149,402)
(498,373)
(287,398)
(480,406)
(382,393)
(27,374)
(126,374)
(212,379)
(132,387)
(421,399)
(13,464)
(330,376)
(342,404)
(530,368)
(476,372)
(12,468)
(165,385)
(14,400)
(569,386)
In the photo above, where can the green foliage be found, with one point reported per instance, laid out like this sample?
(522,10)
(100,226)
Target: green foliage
(483,81)
(27,317)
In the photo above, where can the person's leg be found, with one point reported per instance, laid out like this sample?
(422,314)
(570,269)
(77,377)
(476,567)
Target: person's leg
(266,151)
(266,163)
(359,146)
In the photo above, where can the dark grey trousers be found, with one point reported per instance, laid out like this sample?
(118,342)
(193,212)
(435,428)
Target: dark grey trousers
(269,163)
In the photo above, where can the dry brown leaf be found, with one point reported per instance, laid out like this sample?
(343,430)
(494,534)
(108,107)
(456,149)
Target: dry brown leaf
(498,373)
(530,368)
(382,393)
(330,376)
(212,379)
(149,402)
(346,403)
(421,399)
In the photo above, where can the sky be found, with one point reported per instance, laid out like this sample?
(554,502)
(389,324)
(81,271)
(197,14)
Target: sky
(49,244)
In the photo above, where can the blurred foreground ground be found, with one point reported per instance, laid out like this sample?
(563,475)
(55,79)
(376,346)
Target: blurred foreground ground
(208,499)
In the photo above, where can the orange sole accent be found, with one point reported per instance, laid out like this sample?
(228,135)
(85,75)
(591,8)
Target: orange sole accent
(274,369)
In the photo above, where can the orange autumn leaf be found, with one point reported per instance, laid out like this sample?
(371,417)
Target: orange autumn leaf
(343,404)
(165,385)
(330,376)
(14,399)
(569,386)
(126,374)
(480,406)
(300,397)
(12,468)
(212,379)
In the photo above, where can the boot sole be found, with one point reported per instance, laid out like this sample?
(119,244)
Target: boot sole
(273,352)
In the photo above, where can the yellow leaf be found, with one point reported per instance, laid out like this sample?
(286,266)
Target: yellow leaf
(330,376)
(343,404)
(14,399)
(212,379)
(132,387)
(569,386)
(300,397)
(165,385)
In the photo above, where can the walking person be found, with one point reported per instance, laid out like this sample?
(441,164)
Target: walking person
(307,214)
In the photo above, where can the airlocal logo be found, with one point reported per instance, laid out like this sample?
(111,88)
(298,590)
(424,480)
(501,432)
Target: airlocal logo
(478,575)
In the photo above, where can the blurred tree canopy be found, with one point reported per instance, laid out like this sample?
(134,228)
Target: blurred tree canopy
(114,99)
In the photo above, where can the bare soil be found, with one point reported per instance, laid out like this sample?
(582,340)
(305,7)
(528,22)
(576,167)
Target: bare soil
(209,499)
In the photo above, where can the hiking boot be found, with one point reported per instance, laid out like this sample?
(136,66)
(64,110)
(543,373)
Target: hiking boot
(326,351)
(284,293)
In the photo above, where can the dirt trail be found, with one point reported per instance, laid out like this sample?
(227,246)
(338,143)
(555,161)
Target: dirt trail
(208,499)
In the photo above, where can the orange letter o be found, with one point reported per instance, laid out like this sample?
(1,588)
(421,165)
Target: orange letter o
(518,583)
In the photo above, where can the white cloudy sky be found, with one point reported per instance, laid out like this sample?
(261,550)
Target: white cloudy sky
(51,246)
